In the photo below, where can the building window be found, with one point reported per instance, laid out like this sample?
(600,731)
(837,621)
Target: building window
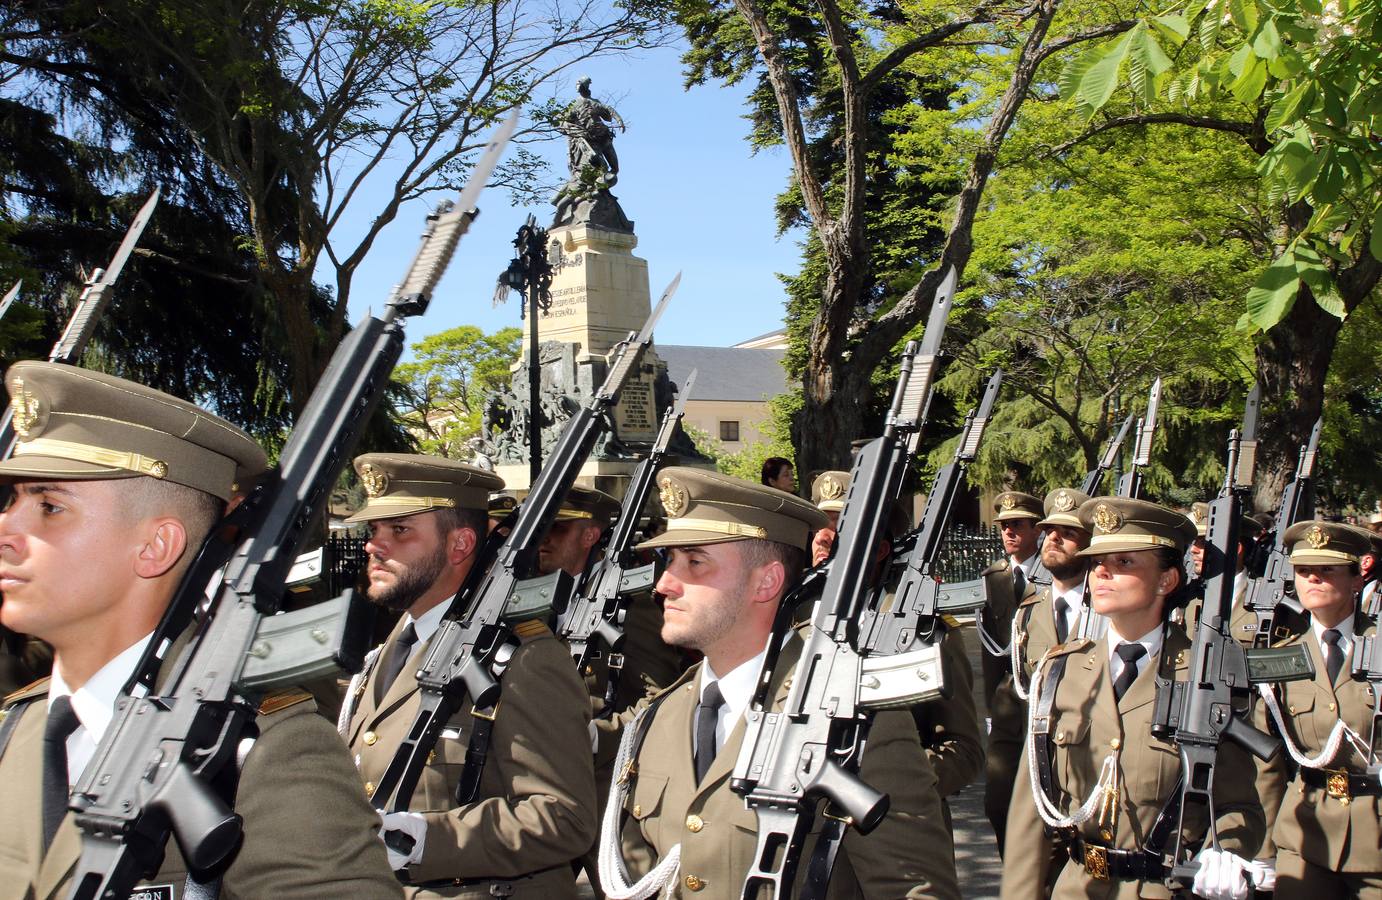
(729,431)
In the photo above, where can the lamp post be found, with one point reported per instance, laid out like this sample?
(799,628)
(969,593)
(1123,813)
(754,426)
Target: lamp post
(530,273)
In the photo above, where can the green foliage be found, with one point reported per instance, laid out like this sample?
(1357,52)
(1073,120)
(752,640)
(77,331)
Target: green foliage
(444,389)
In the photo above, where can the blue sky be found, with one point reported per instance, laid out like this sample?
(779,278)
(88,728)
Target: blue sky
(700,203)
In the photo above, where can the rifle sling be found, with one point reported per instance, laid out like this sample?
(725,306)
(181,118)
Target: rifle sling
(9,721)
(823,859)
(476,752)
(1041,727)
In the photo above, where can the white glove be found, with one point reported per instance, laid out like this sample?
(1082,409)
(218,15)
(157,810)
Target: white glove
(1262,874)
(397,829)
(1221,876)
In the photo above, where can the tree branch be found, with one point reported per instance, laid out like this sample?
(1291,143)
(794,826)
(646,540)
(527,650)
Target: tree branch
(1246,129)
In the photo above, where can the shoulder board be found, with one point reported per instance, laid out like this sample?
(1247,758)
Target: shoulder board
(998,565)
(951,621)
(281,700)
(531,629)
(1079,645)
(31,691)
(1031,598)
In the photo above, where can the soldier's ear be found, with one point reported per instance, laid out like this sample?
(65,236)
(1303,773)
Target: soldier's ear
(460,545)
(768,582)
(165,542)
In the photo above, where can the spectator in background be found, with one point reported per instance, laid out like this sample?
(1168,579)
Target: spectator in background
(778,473)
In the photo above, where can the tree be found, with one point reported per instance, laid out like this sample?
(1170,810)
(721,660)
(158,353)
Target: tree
(443,391)
(295,108)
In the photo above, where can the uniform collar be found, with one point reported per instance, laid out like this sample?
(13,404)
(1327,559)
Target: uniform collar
(94,702)
(1151,641)
(427,624)
(736,686)
(1345,629)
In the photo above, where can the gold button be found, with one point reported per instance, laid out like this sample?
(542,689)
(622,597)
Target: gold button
(637,810)
(1060,735)
(694,823)
(370,738)
(1291,710)
(693,883)
(1115,743)
(431,757)
(1332,706)
(369,788)
(1180,657)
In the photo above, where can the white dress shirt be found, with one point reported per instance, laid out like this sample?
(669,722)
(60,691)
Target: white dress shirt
(736,686)
(94,704)
(426,624)
(1151,641)
(1072,599)
(1345,629)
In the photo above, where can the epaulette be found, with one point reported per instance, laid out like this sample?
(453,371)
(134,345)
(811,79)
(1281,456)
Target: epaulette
(1030,599)
(951,621)
(30,691)
(1076,646)
(993,568)
(281,700)
(531,629)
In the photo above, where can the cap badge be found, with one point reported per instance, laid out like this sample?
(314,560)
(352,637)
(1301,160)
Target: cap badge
(831,489)
(376,481)
(1316,537)
(1008,501)
(1107,519)
(26,408)
(674,498)
(1064,502)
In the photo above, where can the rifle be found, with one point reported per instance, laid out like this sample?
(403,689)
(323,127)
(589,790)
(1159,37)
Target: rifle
(918,601)
(125,804)
(812,749)
(1367,666)
(1273,590)
(1130,485)
(600,605)
(90,305)
(1211,704)
(1094,478)
(475,640)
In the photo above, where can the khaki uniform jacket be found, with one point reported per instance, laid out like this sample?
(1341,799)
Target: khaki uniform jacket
(308,831)
(1242,622)
(536,810)
(717,832)
(1085,722)
(949,726)
(1338,834)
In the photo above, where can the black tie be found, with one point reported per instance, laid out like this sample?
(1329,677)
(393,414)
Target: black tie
(1019,582)
(1130,653)
(707,717)
(1333,653)
(1062,628)
(399,651)
(62,721)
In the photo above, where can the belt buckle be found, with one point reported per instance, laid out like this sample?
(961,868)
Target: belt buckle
(1096,861)
(616,661)
(479,713)
(1336,784)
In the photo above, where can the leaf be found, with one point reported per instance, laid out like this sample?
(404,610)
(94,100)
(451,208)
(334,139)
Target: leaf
(1240,60)
(1173,25)
(1288,108)
(1267,42)
(1102,76)
(1330,182)
(1244,15)
(1072,76)
(1270,299)
(1209,30)
(1332,303)
(1249,85)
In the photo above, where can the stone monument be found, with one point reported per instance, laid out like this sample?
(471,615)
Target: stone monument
(599,293)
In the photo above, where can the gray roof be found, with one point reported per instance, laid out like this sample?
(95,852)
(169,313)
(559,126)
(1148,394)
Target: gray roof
(726,373)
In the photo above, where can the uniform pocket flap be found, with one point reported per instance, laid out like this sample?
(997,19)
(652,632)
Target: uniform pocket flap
(1070,731)
(646,797)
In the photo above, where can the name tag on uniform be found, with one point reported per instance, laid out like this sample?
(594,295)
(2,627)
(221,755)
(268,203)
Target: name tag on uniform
(152,892)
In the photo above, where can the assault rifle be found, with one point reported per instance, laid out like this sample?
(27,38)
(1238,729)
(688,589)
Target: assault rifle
(1270,592)
(791,759)
(91,304)
(475,641)
(1130,485)
(1090,624)
(1211,704)
(918,601)
(161,761)
(1367,666)
(603,600)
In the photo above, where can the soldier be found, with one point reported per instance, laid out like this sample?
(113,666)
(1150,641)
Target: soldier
(1050,616)
(947,727)
(1101,777)
(1242,621)
(1007,582)
(506,825)
(1326,833)
(115,486)
(734,550)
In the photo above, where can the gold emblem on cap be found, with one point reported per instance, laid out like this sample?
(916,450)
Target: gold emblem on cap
(674,498)
(831,489)
(26,408)
(1008,501)
(1316,537)
(376,481)
(1107,519)
(1064,502)
(1200,513)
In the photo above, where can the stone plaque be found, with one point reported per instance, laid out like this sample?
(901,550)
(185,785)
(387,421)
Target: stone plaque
(635,416)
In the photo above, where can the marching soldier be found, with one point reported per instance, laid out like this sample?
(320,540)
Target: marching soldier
(1101,780)
(1326,831)
(1242,621)
(949,727)
(507,799)
(734,550)
(1007,582)
(115,486)
(1050,616)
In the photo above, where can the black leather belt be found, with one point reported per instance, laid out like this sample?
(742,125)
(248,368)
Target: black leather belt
(1105,863)
(498,887)
(1342,784)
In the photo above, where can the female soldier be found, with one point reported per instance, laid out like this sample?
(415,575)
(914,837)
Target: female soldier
(1092,772)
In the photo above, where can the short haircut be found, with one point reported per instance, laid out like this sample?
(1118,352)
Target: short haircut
(449,519)
(760,551)
(773,466)
(197,510)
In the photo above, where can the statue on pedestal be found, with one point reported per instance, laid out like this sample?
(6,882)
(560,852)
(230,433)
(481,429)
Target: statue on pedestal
(593,163)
